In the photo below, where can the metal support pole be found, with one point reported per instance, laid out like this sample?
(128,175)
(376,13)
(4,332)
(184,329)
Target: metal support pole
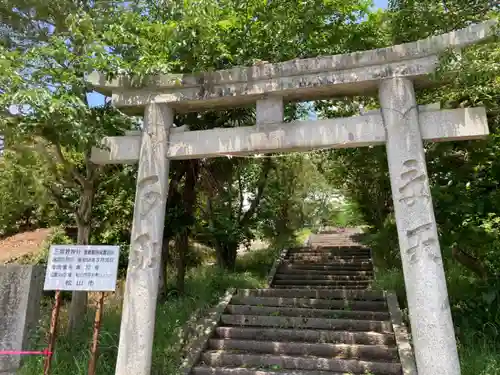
(52,332)
(95,337)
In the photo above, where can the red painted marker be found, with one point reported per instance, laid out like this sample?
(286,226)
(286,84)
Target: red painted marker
(24,352)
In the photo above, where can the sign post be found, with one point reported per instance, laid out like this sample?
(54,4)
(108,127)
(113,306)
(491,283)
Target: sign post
(89,268)
(95,336)
(52,332)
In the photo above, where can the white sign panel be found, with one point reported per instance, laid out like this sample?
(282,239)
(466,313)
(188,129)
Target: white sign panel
(82,268)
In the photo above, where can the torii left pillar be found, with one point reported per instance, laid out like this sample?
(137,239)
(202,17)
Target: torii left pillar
(141,289)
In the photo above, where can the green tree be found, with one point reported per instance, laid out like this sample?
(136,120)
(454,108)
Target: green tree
(23,208)
(183,37)
(226,219)
(45,58)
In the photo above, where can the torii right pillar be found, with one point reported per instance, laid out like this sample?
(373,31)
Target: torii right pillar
(430,315)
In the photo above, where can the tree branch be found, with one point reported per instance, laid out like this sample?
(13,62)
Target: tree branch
(74,173)
(58,196)
(42,149)
(471,263)
(240,187)
(266,167)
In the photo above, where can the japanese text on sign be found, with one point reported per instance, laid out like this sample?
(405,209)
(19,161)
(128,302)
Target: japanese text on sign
(82,268)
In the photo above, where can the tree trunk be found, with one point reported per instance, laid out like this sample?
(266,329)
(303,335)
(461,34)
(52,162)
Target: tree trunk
(226,255)
(232,251)
(162,283)
(181,245)
(189,200)
(172,197)
(78,306)
(471,263)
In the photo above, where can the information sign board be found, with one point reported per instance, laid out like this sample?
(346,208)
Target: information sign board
(82,268)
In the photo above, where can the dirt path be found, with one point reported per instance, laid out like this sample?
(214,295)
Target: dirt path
(21,244)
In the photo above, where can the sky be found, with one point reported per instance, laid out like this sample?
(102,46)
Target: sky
(380,4)
(96,99)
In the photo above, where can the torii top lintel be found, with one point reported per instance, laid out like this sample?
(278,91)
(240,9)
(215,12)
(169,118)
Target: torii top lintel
(300,79)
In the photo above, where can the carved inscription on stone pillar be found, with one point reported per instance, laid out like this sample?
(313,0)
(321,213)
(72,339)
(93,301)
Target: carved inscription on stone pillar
(144,246)
(421,241)
(414,182)
(145,250)
(413,187)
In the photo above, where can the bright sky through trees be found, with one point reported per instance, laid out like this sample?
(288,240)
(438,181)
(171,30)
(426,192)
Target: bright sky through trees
(96,99)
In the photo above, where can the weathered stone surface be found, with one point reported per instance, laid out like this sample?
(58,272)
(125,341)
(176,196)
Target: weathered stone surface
(332,333)
(401,335)
(357,131)
(269,111)
(318,303)
(306,86)
(430,315)
(305,335)
(328,350)
(393,71)
(141,289)
(233,359)
(300,77)
(205,329)
(276,264)
(20,294)
(364,295)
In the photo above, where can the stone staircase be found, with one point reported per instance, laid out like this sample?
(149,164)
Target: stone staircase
(330,268)
(319,317)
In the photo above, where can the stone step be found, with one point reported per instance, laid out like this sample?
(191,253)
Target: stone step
(354,305)
(332,287)
(331,251)
(336,273)
(325,266)
(205,370)
(369,295)
(305,335)
(354,249)
(340,247)
(337,246)
(308,323)
(338,253)
(326,262)
(343,351)
(335,265)
(333,283)
(328,256)
(329,259)
(324,276)
(306,312)
(234,359)
(322,245)
(328,244)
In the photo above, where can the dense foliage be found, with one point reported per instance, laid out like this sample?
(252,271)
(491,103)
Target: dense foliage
(50,120)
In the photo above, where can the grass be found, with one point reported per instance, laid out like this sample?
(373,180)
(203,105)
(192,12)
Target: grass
(204,286)
(478,343)
(303,235)
(477,324)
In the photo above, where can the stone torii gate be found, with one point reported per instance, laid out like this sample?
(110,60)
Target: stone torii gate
(401,125)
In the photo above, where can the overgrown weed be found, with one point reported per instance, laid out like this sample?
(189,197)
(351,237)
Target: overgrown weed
(475,307)
(204,286)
